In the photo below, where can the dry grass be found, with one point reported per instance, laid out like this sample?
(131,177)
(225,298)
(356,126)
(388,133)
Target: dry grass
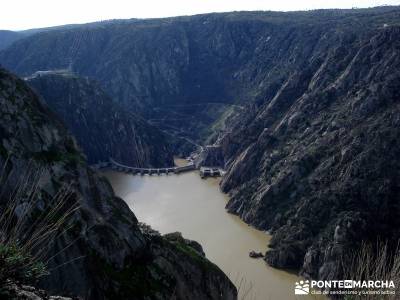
(244,287)
(27,227)
(374,262)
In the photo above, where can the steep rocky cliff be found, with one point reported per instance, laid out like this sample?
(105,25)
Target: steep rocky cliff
(102,128)
(183,74)
(303,106)
(101,252)
(317,163)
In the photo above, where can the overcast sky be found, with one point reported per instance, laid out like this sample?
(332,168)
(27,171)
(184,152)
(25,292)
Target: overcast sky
(24,14)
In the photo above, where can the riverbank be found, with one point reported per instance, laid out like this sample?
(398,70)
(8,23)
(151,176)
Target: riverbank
(196,207)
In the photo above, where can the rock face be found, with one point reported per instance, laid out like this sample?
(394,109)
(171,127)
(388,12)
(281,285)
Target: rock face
(13,291)
(102,128)
(317,162)
(303,105)
(100,253)
(211,156)
(186,74)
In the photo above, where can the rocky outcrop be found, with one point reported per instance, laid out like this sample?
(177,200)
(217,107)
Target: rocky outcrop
(317,163)
(102,128)
(210,156)
(13,291)
(100,252)
(191,271)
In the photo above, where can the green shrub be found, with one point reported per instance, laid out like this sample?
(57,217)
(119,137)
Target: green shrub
(24,239)
(19,266)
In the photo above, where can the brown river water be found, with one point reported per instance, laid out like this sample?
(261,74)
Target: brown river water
(196,207)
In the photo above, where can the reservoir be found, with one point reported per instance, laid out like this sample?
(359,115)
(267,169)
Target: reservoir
(196,207)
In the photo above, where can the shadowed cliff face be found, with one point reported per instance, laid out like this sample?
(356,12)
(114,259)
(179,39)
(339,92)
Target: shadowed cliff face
(101,252)
(304,107)
(184,74)
(317,163)
(102,128)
